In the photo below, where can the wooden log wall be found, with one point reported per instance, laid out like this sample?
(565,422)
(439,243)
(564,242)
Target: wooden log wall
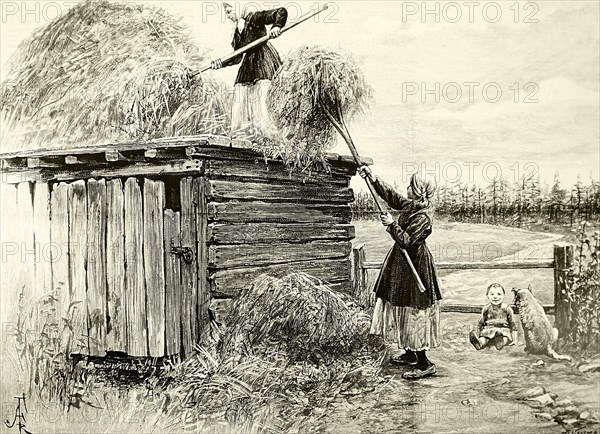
(264,220)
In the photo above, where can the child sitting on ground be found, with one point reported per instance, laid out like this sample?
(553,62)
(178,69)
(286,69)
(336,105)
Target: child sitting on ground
(496,325)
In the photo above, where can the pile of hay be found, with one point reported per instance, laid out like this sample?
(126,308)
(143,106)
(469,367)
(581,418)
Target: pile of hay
(290,345)
(297,314)
(312,80)
(108,72)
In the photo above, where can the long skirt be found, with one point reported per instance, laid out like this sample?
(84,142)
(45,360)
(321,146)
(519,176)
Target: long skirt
(409,327)
(249,110)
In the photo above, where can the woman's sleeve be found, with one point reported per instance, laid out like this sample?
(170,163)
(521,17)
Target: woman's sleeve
(394,199)
(274,17)
(510,318)
(236,44)
(416,232)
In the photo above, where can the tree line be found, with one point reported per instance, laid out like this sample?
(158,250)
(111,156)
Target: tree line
(506,203)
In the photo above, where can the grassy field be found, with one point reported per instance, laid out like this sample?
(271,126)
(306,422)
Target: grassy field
(466,242)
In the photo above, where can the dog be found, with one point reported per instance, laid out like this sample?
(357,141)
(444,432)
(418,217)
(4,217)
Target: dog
(540,336)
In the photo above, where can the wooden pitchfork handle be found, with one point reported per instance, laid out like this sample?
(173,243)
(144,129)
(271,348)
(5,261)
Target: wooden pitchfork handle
(348,139)
(408,260)
(262,40)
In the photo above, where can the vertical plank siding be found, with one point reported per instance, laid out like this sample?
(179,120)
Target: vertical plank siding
(203,294)
(172,235)
(41,234)
(116,337)
(77,200)
(96,300)
(59,237)
(135,288)
(24,236)
(154,265)
(189,272)
(11,254)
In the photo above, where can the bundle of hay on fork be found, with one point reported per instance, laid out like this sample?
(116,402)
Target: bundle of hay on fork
(314,94)
(107,72)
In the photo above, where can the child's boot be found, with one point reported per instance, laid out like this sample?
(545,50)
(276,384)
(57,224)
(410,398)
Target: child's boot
(475,340)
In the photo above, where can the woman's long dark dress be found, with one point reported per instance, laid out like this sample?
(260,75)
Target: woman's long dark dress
(403,313)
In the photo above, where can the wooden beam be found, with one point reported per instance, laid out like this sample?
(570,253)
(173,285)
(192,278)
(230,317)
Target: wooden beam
(260,212)
(258,171)
(224,190)
(96,295)
(78,255)
(465,308)
(256,233)
(500,265)
(240,256)
(201,317)
(175,167)
(204,140)
(13,163)
(39,162)
(114,156)
(563,258)
(230,283)
(165,154)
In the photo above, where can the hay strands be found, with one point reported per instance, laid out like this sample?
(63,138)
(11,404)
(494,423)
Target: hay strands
(264,39)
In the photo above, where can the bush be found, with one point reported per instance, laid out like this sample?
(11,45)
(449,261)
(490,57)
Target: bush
(43,343)
(583,292)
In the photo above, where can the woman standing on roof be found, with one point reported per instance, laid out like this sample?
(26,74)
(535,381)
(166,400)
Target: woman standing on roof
(259,65)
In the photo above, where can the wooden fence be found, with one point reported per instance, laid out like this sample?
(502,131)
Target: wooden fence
(562,261)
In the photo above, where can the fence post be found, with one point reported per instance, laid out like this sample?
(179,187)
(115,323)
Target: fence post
(358,281)
(563,260)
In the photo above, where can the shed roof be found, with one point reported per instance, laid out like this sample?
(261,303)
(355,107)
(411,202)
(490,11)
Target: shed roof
(204,146)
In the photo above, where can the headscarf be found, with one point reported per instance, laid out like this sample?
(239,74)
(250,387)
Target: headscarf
(423,186)
(244,10)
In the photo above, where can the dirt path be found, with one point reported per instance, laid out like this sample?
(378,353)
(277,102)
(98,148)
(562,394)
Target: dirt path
(472,392)
(475,391)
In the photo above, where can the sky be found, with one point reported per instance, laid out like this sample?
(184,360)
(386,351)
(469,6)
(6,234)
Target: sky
(464,90)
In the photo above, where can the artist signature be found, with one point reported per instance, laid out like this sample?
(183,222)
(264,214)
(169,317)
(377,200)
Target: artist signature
(19,418)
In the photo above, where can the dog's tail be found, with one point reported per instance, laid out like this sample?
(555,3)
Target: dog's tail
(551,353)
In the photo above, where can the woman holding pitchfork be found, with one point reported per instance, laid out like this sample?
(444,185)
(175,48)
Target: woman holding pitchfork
(407,310)
(258,65)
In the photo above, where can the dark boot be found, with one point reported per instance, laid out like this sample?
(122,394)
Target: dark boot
(423,362)
(423,368)
(408,358)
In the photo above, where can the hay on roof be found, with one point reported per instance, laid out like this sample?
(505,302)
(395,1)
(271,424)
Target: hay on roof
(108,72)
(312,78)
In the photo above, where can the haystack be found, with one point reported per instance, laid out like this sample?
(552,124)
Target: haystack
(298,314)
(107,72)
